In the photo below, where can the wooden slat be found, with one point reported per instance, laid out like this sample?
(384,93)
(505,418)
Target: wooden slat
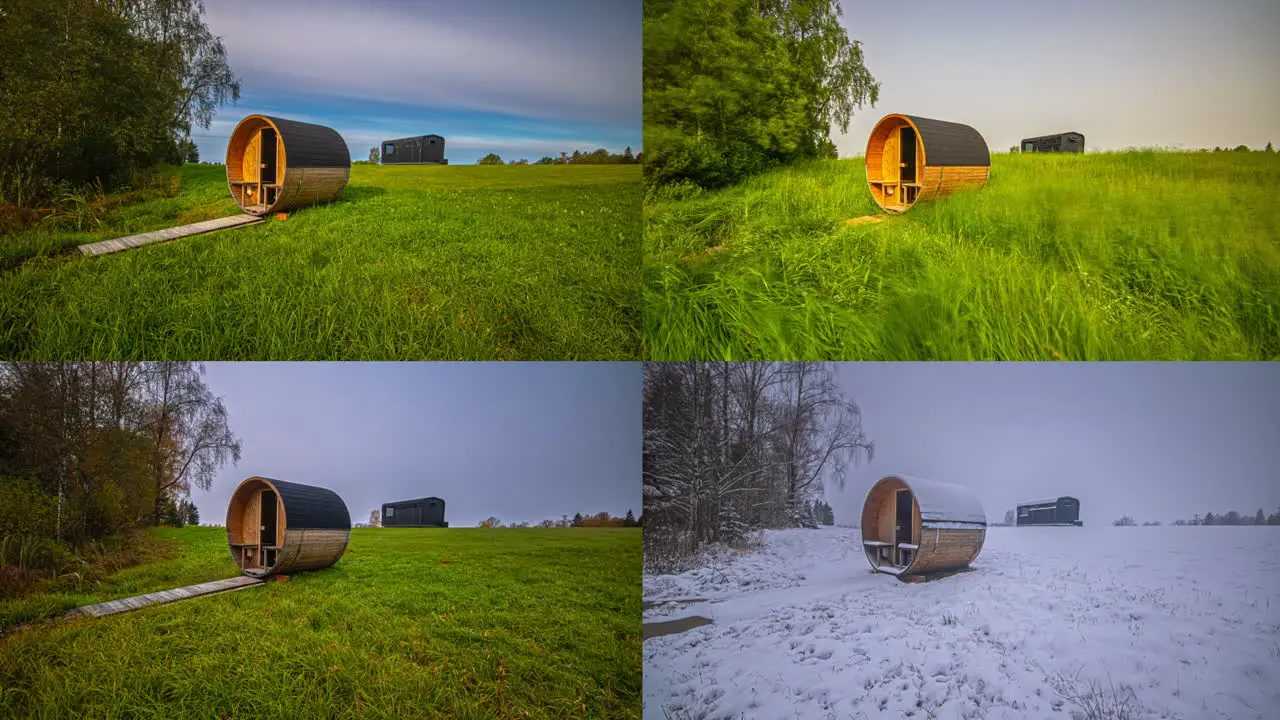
(112,607)
(132,241)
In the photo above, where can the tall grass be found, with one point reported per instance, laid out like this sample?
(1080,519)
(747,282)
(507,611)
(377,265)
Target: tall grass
(451,262)
(409,623)
(1137,255)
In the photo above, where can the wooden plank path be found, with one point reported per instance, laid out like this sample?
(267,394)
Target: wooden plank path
(112,607)
(132,241)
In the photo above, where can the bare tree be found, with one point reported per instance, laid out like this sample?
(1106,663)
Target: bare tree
(189,428)
(375,518)
(731,447)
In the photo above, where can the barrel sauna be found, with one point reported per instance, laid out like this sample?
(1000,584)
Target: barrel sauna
(277,527)
(913,526)
(912,159)
(274,164)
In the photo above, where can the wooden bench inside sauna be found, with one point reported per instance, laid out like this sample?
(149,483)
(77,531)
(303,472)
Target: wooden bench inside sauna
(276,527)
(275,164)
(913,526)
(912,159)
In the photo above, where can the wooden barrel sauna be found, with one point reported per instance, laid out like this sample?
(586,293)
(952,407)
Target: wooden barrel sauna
(274,164)
(912,159)
(277,527)
(913,526)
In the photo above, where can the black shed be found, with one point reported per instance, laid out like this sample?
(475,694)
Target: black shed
(421,150)
(1063,511)
(423,512)
(1062,142)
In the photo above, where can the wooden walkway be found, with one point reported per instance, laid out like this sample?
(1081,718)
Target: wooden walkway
(133,241)
(118,606)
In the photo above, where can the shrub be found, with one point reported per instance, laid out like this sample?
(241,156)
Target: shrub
(25,509)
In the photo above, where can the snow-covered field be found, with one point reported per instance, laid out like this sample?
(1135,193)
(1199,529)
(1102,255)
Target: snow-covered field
(1189,617)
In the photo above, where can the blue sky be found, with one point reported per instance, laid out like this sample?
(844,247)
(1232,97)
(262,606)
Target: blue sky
(1126,73)
(520,441)
(516,78)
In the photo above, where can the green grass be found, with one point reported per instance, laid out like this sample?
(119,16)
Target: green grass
(457,623)
(422,262)
(1138,255)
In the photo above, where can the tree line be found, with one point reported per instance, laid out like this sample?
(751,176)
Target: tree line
(734,87)
(94,449)
(1228,518)
(599,156)
(98,91)
(734,447)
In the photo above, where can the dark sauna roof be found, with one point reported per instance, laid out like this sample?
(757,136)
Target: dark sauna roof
(413,137)
(948,143)
(312,146)
(307,507)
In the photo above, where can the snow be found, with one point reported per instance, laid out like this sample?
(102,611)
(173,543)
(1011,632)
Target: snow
(936,525)
(1189,617)
(876,543)
(905,546)
(944,502)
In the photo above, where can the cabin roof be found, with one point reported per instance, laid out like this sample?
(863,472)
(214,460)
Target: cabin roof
(414,137)
(951,144)
(1054,501)
(943,502)
(419,501)
(307,507)
(311,146)
(1052,135)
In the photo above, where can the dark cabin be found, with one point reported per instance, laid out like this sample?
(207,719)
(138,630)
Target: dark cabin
(1062,142)
(421,150)
(424,512)
(1063,511)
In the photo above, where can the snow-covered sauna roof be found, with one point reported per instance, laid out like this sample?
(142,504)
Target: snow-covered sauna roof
(943,503)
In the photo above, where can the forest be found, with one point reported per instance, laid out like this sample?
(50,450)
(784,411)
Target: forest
(734,447)
(90,452)
(735,87)
(97,92)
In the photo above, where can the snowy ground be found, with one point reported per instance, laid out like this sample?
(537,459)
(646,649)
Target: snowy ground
(1187,616)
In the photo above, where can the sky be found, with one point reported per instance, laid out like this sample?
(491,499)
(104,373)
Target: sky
(519,441)
(1125,73)
(510,77)
(1156,441)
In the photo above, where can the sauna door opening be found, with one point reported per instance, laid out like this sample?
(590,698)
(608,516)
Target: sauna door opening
(907,147)
(902,525)
(268,530)
(267,161)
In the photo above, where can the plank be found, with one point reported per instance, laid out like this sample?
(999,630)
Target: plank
(111,607)
(109,246)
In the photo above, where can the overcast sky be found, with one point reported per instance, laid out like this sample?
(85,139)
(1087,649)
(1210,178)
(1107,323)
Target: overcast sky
(1157,441)
(1126,73)
(522,441)
(517,78)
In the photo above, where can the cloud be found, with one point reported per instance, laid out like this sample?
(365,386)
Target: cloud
(417,56)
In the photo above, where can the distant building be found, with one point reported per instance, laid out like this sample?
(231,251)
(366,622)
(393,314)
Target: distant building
(421,150)
(424,512)
(1062,142)
(1063,511)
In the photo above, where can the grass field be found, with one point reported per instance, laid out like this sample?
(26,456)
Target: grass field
(410,623)
(416,262)
(1138,255)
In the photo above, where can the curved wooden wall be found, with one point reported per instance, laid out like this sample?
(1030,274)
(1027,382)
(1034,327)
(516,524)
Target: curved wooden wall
(313,164)
(949,156)
(940,548)
(300,548)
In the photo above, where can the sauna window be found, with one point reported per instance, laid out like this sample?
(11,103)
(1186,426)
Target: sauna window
(388,149)
(391,511)
(433,142)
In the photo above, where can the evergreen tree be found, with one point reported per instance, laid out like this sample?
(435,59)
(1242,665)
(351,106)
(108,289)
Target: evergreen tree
(1208,519)
(577,520)
(193,514)
(1260,518)
(629,520)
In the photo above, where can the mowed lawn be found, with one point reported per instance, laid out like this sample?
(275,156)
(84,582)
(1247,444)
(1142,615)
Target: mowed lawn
(458,623)
(415,262)
(1136,255)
